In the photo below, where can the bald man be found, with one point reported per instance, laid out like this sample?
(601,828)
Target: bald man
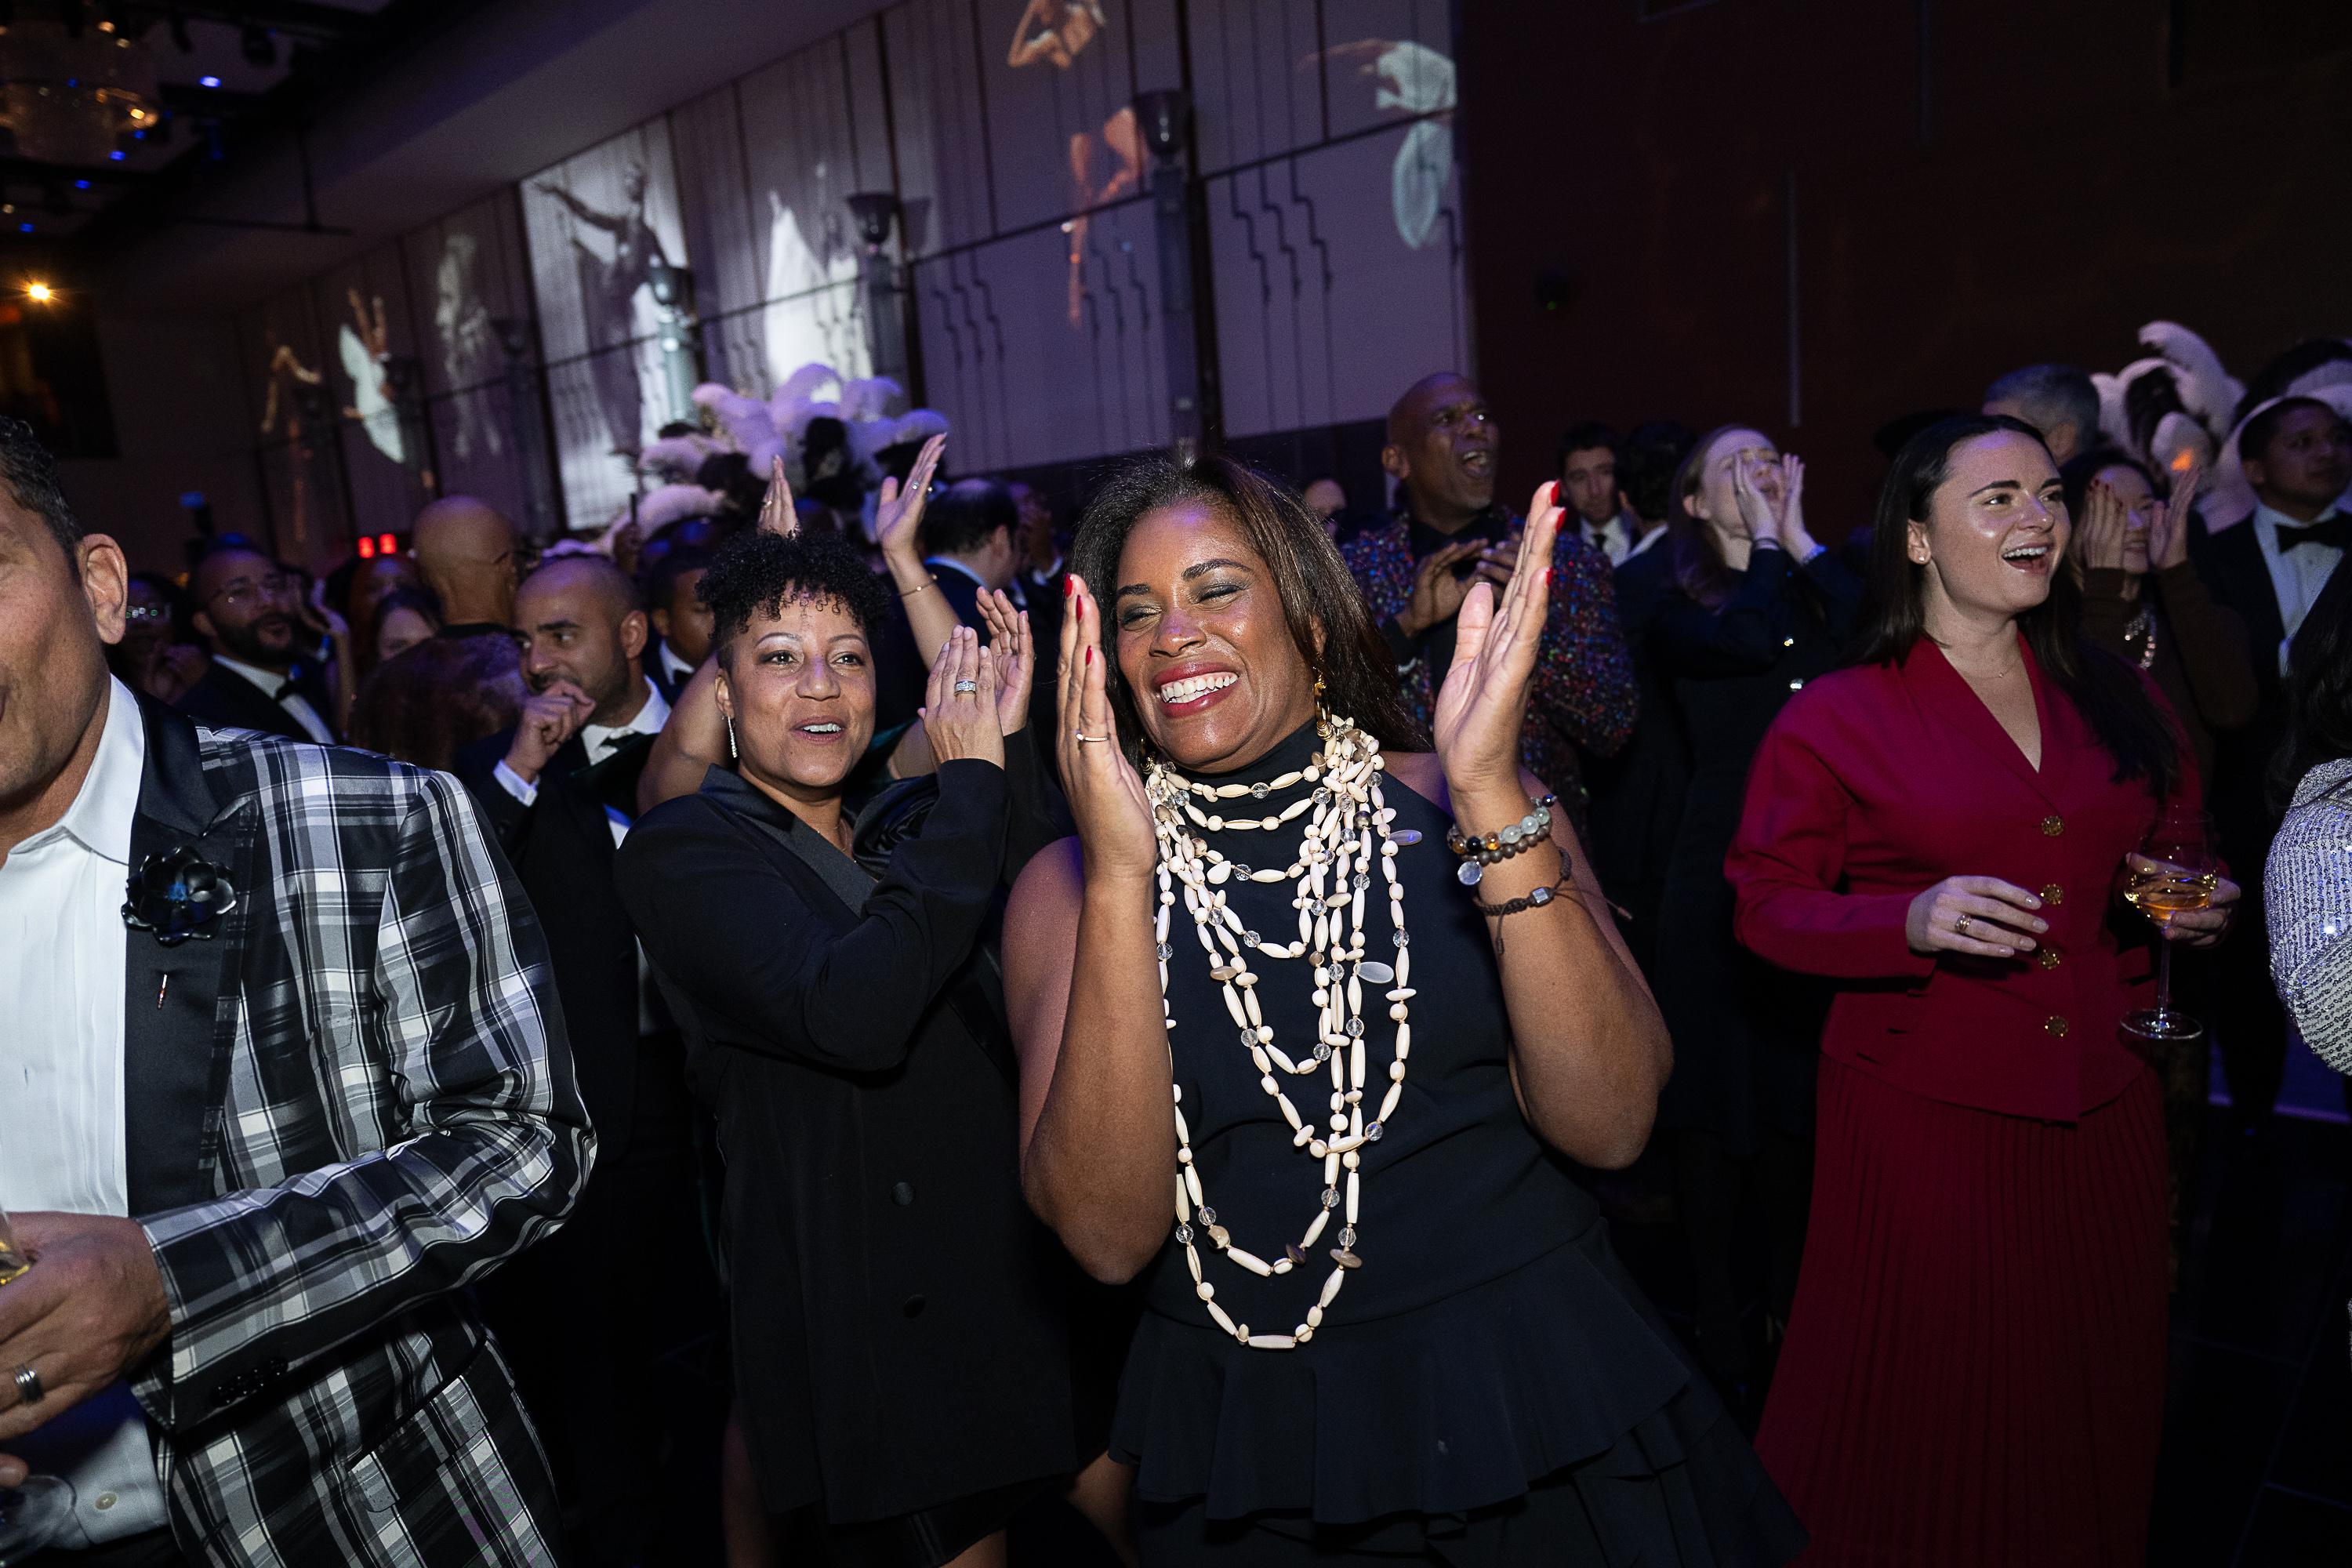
(583,1332)
(468,555)
(1449,533)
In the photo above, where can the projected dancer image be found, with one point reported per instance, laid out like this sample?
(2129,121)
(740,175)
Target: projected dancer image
(1410,79)
(608,292)
(289,379)
(469,343)
(364,345)
(1056,32)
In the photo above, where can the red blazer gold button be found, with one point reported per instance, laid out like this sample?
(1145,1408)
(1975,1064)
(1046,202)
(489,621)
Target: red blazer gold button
(2055,1024)
(2054,894)
(2051,826)
(2047,957)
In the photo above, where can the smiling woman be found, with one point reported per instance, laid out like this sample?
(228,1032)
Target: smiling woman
(1380,1314)
(1938,829)
(902,1371)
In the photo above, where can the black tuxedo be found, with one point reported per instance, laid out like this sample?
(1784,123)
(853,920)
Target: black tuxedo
(1637,794)
(303,1407)
(657,670)
(224,699)
(586,1330)
(2251,1027)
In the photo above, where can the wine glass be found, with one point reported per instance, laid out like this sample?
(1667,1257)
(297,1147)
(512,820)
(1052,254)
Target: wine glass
(36,1513)
(2174,869)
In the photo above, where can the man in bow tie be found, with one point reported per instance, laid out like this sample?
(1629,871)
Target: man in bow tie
(589,1314)
(245,607)
(255,1163)
(2268,565)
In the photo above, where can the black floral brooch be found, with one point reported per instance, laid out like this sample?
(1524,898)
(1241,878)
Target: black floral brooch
(177,893)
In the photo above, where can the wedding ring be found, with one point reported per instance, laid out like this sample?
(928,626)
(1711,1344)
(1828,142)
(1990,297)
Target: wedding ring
(28,1385)
(1960,926)
(967,686)
(1082,735)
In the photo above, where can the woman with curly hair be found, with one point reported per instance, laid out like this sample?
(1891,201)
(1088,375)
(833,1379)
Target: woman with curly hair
(901,1363)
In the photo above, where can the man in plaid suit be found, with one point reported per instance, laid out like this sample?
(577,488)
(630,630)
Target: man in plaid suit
(285,1074)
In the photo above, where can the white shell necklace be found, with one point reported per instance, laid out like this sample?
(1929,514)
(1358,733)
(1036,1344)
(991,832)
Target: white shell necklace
(1332,871)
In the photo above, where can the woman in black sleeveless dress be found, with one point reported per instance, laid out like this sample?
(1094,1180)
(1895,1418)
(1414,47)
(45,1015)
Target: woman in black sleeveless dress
(1407,1336)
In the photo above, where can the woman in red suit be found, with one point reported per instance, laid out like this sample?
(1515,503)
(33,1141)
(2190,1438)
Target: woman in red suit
(1974,1368)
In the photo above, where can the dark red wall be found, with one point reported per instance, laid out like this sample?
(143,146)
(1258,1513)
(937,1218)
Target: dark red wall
(2054,190)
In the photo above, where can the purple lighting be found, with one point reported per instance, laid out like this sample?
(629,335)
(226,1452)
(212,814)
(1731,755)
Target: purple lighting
(208,82)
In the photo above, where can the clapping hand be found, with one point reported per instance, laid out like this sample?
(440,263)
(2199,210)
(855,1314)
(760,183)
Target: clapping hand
(899,513)
(960,725)
(1107,796)
(1010,644)
(776,513)
(1484,701)
(1437,593)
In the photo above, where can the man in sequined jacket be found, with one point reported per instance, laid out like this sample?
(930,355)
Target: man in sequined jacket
(1449,533)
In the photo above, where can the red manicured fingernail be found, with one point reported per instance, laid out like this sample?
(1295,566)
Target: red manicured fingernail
(1090,656)
(1069,586)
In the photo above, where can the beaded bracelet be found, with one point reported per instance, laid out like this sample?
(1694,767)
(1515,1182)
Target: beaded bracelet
(1533,901)
(1479,852)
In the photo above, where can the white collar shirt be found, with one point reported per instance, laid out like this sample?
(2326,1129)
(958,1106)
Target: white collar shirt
(64,961)
(678,668)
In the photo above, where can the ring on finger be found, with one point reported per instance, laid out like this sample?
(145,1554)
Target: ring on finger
(967,686)
(1960,926)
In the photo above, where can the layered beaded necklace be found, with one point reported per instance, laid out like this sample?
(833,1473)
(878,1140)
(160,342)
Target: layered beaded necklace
(1348,832)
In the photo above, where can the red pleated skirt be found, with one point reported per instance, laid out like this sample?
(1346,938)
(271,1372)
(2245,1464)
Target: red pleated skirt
(1974,1369)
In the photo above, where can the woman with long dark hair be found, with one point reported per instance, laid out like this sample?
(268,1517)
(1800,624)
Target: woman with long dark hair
(1974,1371)
(2144,603)
(1757,609)
(1345,1000)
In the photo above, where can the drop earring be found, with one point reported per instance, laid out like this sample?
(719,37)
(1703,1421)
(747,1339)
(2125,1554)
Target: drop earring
(732,754)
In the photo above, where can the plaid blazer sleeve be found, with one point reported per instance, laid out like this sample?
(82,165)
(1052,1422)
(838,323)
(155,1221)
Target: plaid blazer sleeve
(469,1040)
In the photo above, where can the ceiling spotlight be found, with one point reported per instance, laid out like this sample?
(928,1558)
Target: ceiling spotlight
(208,82)
(39,293)
(260,50)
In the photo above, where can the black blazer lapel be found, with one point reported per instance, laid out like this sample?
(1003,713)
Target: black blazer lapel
(2240,579)
(221,700)
(179,1015)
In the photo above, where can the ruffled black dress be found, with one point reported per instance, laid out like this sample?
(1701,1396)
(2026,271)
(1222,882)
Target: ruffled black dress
(1490,1386)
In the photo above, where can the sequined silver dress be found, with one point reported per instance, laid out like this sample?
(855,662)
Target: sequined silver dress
(2307,889)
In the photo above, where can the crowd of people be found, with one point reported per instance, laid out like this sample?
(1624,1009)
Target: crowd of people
(1157,1016)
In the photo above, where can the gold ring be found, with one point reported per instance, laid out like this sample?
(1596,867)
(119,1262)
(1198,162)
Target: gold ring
(1960,926)
(1082,735)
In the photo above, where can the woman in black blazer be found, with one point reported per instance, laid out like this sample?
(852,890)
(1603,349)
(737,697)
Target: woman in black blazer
(901,1364)
(1756,609)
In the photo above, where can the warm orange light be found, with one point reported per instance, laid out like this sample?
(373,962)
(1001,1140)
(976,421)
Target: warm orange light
(39,293)
(2182,459)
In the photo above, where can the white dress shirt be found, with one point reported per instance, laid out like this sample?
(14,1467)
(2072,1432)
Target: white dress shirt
(298,707)
(599,739)
(678,668)
(2298,575)
(63,960)
(1613,539)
